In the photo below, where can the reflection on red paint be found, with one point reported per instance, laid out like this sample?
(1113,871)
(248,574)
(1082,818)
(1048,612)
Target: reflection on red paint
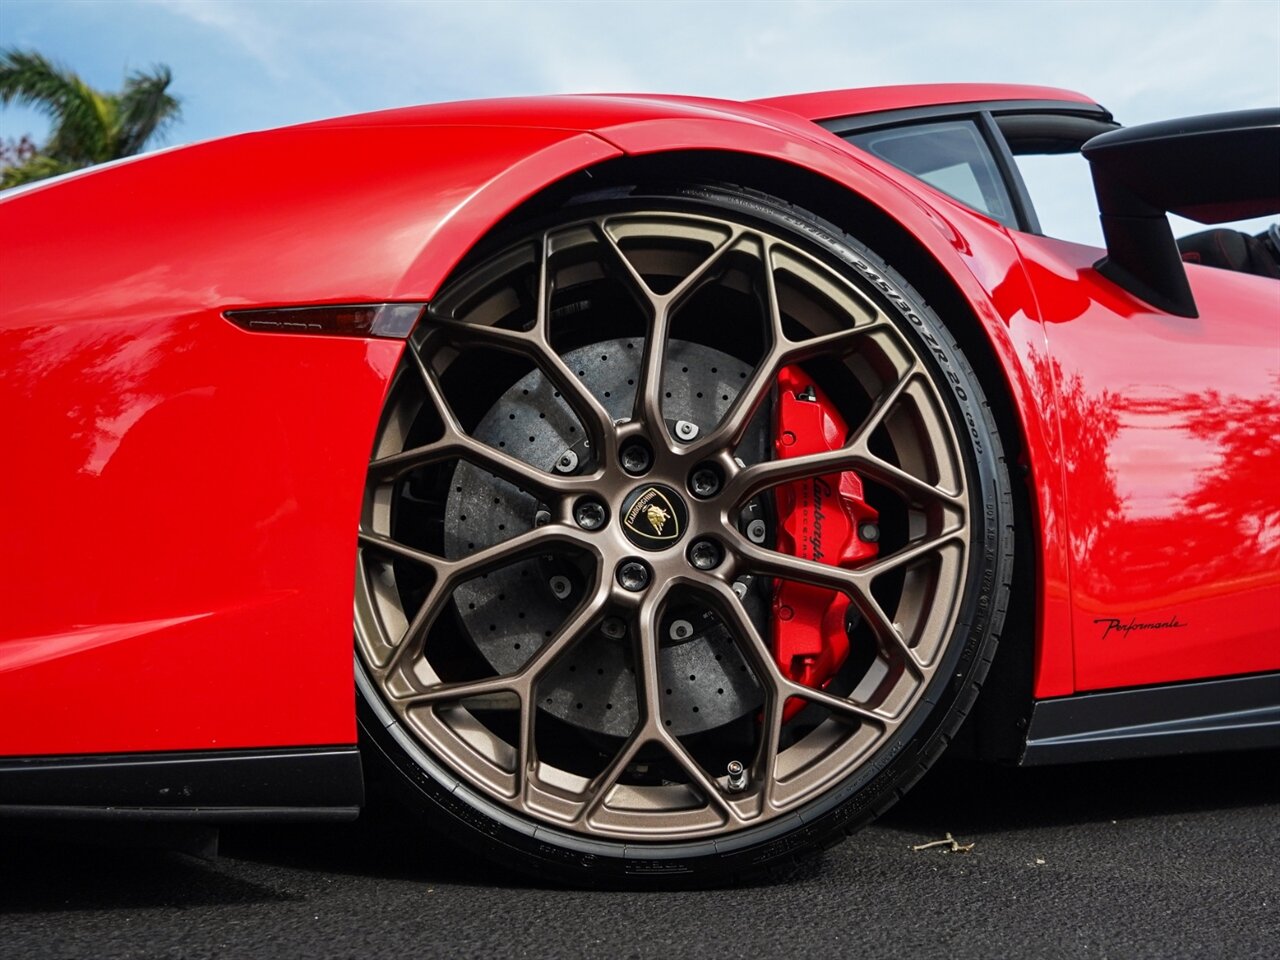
(1171,439)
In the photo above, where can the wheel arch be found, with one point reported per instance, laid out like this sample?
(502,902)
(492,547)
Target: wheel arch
(998,723)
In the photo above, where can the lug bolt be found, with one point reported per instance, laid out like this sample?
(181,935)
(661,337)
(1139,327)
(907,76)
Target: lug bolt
(636,458)
(633,575)
(705,554)
(613,628)
(567,463)
(560,587)
(685,430)
(756,531)
(737,775)
(704,482)
(589,514)
(869,531)
(680,630)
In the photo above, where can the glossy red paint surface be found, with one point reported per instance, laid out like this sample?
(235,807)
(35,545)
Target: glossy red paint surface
(828,104)
(178,570)
(181,543)
(1171,440)
(179,546)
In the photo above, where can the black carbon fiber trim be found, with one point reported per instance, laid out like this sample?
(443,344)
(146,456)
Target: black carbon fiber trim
(237,783)
(1209,715)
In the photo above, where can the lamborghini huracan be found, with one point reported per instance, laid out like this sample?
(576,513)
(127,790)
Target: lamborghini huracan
(690,474)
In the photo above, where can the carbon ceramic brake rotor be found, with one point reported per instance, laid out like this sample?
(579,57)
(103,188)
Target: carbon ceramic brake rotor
(509,613)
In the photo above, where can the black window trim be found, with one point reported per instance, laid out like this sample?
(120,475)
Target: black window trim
(1023,209)
(889,118)
(983,116)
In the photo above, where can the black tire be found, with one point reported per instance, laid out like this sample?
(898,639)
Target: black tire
(776,846)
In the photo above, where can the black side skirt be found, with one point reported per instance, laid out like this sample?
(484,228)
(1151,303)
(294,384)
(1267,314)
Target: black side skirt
(212,786)
(1206,716)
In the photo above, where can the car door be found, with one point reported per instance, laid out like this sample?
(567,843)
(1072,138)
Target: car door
(1170,432)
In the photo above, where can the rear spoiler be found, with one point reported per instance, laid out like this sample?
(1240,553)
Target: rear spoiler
(1211,169)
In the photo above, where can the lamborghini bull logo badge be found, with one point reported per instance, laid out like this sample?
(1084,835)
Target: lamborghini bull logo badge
(656,517)
(652,516)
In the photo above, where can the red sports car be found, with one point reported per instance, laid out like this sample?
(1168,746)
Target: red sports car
(696,472)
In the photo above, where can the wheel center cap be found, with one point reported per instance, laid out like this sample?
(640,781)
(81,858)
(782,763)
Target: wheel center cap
(654,516)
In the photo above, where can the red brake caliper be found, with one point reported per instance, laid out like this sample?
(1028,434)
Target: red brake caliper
(819,518)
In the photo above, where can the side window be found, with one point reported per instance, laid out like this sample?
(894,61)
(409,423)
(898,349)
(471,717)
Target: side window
(1046,150)
(1061,188)
(950,155)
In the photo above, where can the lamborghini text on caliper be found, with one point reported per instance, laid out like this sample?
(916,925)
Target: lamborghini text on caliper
(823,519)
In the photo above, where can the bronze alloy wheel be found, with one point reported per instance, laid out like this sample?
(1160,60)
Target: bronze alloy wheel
(570,554)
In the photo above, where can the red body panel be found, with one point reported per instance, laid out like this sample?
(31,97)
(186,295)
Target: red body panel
(1171,430)
(827,104)
(182,496)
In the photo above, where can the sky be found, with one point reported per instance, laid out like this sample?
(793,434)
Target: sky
(252,64)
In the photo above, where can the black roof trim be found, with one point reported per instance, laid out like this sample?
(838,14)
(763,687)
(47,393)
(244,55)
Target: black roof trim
(884,118)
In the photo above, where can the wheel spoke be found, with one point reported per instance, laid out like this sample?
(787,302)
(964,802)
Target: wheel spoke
(459,690)
(526,750)
(602,784)
(649,720)
(781,352)
(693,770)
(911,552)
(503,465)
(535,344)
(450,573)
(455,443)
(522,681)
(648,671)
(883,405)
(765,768)
(729,432)
(594,417)
(380,544)
(771,563)
(395,464)
(649,393)
(778,687)
(918,492)
(415,633)
(648,400)
(854,583)
(771,473)
(579,623)
(526,544)
(649,617)
(616,263)
(752,645)
(838,704)
(461,331)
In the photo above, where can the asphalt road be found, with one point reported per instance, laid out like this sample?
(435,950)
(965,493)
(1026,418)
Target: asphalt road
(1158,858)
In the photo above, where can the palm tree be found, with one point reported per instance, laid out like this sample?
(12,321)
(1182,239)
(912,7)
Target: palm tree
(89,126)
